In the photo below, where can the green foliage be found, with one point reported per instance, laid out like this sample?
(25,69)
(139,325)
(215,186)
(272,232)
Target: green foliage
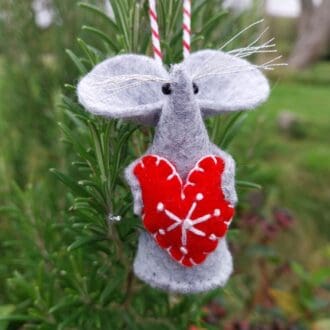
(89,282)
(66,262)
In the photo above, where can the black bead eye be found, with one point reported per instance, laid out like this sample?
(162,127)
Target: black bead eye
(195,88)
(166,89)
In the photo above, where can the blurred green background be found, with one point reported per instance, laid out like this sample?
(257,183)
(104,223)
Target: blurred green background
(63,265)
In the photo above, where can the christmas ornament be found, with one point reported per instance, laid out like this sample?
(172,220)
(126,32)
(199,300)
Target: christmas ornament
(184,185)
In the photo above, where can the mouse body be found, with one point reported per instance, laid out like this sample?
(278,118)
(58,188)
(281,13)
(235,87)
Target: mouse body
(184,185)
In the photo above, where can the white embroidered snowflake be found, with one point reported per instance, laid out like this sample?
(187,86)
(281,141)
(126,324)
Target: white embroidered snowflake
(187,223)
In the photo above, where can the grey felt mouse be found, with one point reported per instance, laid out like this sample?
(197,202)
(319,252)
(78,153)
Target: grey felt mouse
(184,185)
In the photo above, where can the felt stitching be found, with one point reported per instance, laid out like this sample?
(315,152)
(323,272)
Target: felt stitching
(187,222)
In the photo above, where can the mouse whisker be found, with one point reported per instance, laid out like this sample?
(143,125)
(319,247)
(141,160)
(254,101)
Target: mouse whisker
(203,64)
(121,79)
(269,65)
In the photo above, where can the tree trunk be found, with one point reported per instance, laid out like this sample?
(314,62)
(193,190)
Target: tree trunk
(313,34)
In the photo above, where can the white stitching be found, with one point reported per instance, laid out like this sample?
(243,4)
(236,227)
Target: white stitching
(212,237)
(187,224)
(183,250)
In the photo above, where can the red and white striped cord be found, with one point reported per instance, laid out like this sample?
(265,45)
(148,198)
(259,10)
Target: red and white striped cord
(186,26)
(155,31)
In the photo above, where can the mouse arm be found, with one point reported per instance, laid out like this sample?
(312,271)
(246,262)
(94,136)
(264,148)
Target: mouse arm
(228,177)
(135,187)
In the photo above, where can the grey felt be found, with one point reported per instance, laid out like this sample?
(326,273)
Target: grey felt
(181,137)
(232,84)
(154,266)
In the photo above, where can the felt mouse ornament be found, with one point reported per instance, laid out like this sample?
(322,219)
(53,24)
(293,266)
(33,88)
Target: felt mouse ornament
(184,185)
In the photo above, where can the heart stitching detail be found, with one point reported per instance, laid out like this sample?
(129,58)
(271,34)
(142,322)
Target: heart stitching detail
(187,220)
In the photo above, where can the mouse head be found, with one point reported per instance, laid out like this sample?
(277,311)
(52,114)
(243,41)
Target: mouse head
(137,87)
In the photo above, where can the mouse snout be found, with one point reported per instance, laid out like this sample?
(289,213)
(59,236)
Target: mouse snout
(181,81)
(179,75)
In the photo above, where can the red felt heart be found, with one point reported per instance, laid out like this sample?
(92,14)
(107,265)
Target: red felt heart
(187,220)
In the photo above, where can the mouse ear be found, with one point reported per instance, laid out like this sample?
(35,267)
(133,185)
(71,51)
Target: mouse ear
(226,82)
(125,86)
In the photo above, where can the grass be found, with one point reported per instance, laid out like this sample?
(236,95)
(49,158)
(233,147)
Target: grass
(293,168)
